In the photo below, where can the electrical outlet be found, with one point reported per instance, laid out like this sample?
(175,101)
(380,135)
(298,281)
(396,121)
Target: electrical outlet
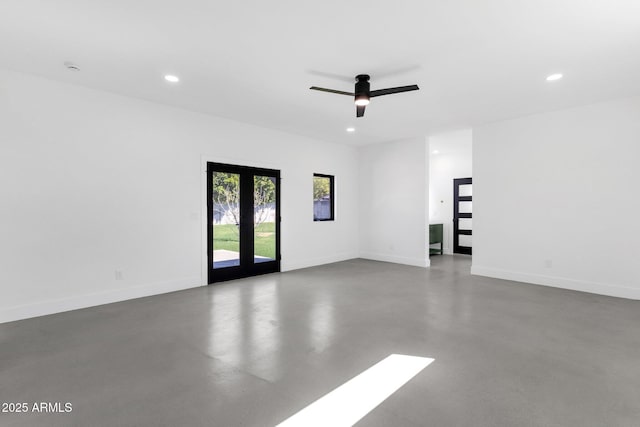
(119,275)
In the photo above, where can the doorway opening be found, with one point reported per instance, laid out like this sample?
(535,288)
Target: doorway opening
(243,226)
(450,164)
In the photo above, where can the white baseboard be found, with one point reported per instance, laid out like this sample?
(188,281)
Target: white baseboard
(43,308)
(559,282)
(288,266)
(416,262)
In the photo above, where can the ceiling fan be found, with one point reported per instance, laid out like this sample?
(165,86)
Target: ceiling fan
(362,94)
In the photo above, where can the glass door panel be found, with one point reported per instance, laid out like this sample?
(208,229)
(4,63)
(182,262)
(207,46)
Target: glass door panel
(465,240)
(226,219)
(465,224)
(465,190)
(465,207)
(264,219)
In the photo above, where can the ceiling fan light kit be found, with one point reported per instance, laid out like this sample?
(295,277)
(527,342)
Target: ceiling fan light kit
(362,100)
(363,93)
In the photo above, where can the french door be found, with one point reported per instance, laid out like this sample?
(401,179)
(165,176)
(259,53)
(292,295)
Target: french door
(243,221)
(462,215)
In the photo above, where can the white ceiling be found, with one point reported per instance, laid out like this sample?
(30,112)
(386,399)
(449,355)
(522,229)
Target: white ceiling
(475,61)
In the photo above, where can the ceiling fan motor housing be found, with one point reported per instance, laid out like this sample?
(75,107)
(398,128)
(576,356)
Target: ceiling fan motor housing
(362,89)
(362,85)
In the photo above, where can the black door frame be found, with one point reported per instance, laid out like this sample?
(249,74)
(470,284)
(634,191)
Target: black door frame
(247,265)
(457,249)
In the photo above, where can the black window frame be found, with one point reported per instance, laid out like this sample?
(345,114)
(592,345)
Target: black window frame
(332,200)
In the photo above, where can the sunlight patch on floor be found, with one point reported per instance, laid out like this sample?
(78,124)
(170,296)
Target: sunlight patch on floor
(347,404)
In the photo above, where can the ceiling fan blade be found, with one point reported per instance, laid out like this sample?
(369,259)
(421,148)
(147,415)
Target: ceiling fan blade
(381,73)
(391,90)
(360,110)
(333,76)
(339,92)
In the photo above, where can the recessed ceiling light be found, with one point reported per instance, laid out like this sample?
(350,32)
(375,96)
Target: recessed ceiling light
(351,129)
(436,152)
(553,77)
(71,66)
(172,79)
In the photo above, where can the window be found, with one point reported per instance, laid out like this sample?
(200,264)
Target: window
(323,206)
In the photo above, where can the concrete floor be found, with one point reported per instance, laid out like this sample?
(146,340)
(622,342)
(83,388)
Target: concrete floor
(255,351)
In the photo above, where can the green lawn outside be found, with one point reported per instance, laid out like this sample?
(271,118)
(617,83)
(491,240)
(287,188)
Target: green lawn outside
(225,236)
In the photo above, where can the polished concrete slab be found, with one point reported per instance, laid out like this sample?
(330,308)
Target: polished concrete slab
(255,351)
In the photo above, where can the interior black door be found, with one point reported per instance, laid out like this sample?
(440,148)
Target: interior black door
(462,214)
(243,221)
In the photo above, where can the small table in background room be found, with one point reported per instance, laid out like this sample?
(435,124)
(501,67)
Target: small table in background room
(435,236)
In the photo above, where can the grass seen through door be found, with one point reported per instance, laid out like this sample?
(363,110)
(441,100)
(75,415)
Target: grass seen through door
(225,236)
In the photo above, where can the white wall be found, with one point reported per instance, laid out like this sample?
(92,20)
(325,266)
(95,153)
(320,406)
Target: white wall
(453,160)
(393,202)
(92,182)
(556,198)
